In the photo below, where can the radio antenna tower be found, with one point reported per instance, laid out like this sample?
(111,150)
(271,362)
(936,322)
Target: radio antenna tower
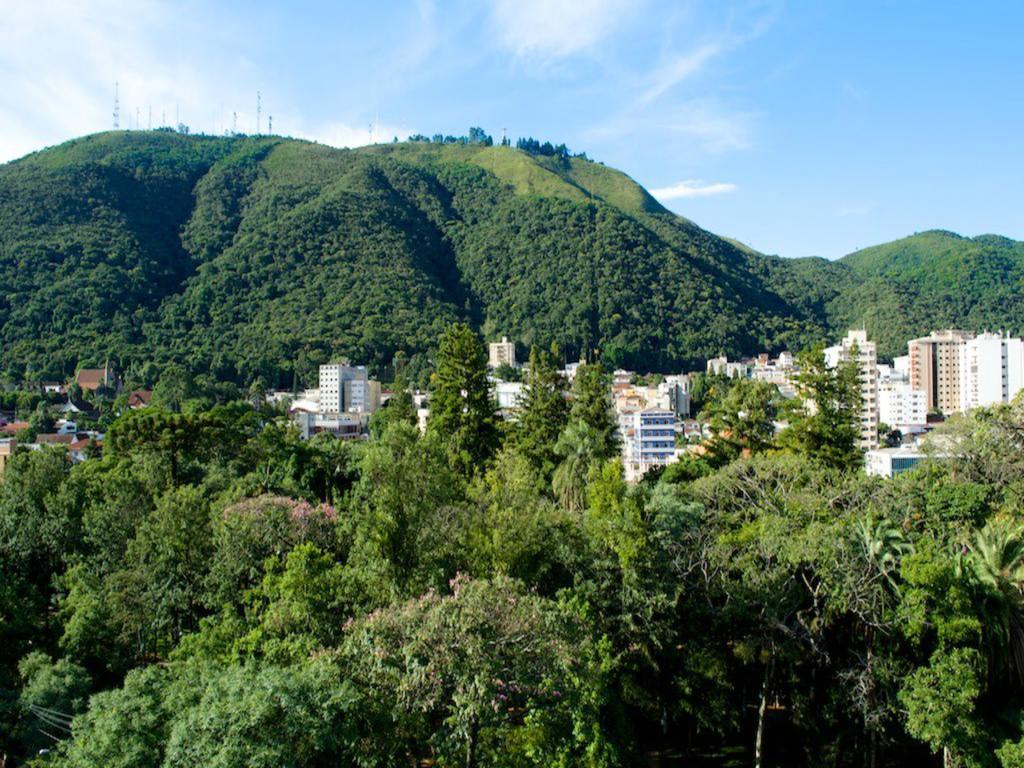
(259,109)
(149,120)
(234,123)
(117,106)
(270,124)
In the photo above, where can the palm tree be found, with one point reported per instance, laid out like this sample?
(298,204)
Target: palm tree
(579,446)
(884,545)
(997,563)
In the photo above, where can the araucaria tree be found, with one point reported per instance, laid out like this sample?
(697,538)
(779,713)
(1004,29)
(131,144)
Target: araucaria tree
(461,408)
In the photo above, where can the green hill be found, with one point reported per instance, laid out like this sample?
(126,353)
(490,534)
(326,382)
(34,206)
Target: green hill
(266,256)
(935,279)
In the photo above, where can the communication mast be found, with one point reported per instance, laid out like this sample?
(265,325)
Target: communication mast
(149,120)
(117,106)
(259,109)
(270,124)
(234,123)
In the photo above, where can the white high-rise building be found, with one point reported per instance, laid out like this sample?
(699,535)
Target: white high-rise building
(347,389)
(902,407)
(991,370)
(857,348)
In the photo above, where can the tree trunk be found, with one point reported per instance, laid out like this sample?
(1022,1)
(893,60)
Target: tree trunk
(471,745)
(761,710)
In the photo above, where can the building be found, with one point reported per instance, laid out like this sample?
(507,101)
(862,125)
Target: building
(676,389)
(91,379)
(139,399)
(889,462)
(501,353)
(856,347)
(649,441)
(902,407)
(508,394)
(720,366)
(991,370)
(6,451)
(350,426)
(347,389)
(934,367)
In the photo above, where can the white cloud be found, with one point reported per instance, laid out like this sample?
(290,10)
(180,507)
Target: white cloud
(669,75)
(712,126)
(692,188)
(339,134)
(553,29)
(59,60)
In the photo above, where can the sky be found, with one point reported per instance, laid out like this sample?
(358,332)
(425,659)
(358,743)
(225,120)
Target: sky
(807,128)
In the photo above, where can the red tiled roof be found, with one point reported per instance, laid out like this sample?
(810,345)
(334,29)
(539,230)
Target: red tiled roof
(14,427)
(49,439)
(139,398)
(91,378)
(80,445)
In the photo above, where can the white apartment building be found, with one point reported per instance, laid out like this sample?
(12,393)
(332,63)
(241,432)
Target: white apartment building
(677,389)
(991,368)
(347,389)
(856,347)
(508,394)
(902,407)
(501,353)
(648,441)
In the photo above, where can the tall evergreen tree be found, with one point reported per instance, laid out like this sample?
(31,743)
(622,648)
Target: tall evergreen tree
(461,408)
(826,424)
(592,405)
(544,413)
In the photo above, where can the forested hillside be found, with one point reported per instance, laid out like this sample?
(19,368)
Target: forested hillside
(262,257)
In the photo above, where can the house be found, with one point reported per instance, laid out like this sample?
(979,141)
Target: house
(55,439)
(12,429)
(139,399)
(76,405)
(52,387)
(79,449)
(91,379)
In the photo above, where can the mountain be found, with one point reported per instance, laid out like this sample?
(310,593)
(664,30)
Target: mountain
(264,256)
(934,279)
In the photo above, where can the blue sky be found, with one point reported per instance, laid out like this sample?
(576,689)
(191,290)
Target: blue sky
(801,128)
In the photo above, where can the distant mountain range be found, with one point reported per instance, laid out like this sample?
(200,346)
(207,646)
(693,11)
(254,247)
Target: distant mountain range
(264,256)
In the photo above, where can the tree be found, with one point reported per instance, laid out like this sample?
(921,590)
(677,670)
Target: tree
(742,418)
(125,727)
(543,412)
(592,405)
(580,447)
(498,674)
(461,409)
(825,425)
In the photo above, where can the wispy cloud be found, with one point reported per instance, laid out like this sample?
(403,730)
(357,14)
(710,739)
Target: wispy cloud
(667,76)
(551,30)
(692,188)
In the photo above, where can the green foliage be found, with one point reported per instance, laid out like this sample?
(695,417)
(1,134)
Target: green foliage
(214,591)
(461,410)
(825,422)
(259,258)
(543,412)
